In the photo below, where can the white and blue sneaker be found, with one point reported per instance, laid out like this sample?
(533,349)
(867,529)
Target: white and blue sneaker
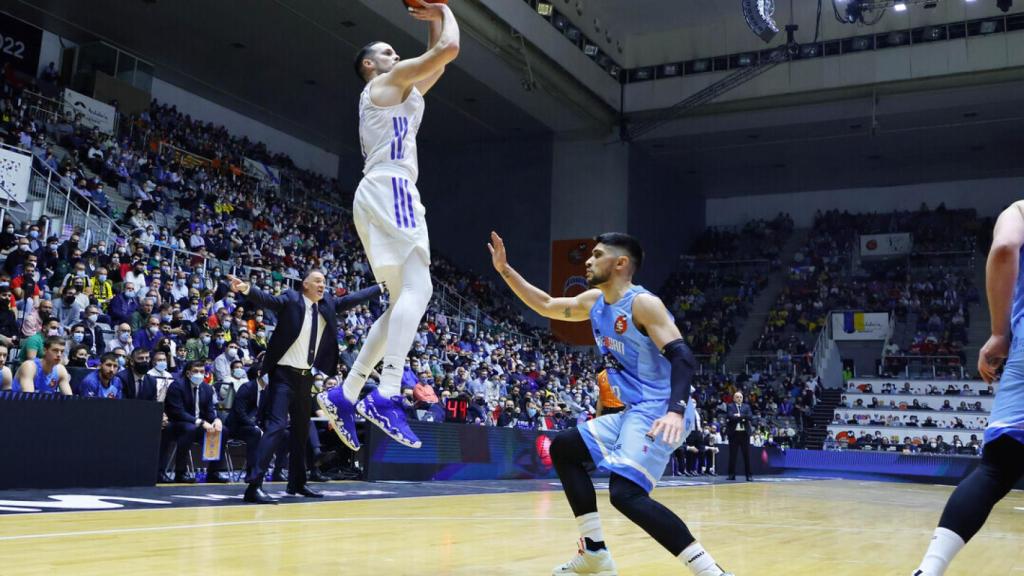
(598,563)
(387,414)
(342,415)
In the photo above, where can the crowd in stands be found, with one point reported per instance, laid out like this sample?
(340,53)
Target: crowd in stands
(711,291)
(932,298)
(916,406)
(147,313)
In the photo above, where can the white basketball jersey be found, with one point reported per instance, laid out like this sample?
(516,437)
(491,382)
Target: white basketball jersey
(387,135)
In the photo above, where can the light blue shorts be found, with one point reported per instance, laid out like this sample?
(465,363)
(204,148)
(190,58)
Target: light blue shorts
(619,444)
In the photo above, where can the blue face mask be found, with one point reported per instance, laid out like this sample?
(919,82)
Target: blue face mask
(121,361)
(196,379)
(161,365)
(532,412)
(78,337)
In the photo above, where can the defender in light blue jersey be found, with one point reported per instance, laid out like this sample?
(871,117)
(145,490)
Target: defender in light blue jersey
(1002,463)
(649,367)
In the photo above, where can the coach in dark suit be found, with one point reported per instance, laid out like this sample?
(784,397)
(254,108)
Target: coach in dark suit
(190,413)
(305,340)
(738,430)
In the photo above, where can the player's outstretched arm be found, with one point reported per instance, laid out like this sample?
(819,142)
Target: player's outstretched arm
(425,69)
(1001,272)
(652,317)
(575,309)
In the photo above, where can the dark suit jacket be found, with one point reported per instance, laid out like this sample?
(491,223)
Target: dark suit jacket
(734,417)
(147,386)
(245,412)
(290,308)
(180,403)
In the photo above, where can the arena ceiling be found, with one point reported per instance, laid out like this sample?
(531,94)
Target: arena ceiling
(288,63)
(306,88)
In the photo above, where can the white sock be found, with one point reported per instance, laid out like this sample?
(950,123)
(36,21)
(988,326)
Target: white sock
(391,376)
(944,546)
(355,381)
(697,559)
(590,527)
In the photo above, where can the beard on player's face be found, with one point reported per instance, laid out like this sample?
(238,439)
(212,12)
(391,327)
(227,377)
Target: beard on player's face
(596,278)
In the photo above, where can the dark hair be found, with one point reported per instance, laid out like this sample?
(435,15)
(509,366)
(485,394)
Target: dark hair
(195,364)
(52,341)
(360,56)
(626,242)
(109,356)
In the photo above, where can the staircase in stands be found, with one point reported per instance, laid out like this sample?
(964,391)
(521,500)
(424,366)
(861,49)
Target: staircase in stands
(736,359)
(822,416)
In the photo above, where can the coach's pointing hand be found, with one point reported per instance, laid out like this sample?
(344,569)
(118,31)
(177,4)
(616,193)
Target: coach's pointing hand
(238,285)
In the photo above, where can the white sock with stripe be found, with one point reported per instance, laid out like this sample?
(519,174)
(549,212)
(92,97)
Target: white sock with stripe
(697,559)
(944,547)
(590,526)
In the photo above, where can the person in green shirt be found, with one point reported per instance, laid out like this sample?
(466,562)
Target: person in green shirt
(198,348)
(32,346)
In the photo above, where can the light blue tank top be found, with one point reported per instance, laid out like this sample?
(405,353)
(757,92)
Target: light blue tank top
(1007,416)
(44,383)
(637,372)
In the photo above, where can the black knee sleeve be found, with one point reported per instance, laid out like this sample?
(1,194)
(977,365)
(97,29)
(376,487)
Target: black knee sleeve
(569,455)
(661,523)
(970,504)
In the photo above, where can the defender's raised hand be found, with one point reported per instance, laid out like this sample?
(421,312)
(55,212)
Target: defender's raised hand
(498,256)
(238,285)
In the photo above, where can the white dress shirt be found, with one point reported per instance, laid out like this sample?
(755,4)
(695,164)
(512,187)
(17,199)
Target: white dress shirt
(297,355)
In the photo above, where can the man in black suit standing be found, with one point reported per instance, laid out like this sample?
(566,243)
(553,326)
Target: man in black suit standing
(190,414)
(304,341)
(738,429)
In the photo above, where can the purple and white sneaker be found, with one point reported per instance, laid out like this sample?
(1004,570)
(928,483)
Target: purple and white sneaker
(342,415)
(387,414)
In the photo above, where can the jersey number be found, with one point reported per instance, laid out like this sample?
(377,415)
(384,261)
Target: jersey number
(401,126)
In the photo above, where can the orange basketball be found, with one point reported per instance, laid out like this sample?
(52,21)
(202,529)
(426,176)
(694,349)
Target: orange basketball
(415,4)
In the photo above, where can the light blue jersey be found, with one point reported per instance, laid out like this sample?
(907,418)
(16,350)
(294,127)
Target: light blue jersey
(1008,411)
(637,371)
(641,377)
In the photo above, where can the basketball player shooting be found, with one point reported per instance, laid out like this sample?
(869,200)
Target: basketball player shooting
(390,221)
(1002,459)
(650,367)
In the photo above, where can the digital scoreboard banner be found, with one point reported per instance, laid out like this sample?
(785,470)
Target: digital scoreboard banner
(461,452)
(20,44)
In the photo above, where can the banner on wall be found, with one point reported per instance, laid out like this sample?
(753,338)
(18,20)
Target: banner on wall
(93,112)
(860,325)
(568,278)
(20,44)
(267,174)
(15,175)
(885,245)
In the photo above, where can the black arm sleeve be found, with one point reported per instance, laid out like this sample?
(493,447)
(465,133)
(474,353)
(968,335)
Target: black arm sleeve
(683,365)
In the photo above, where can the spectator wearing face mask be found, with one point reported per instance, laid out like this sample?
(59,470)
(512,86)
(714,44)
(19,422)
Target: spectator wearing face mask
(198,348)
(66,309)
(32,346)
(222,363)
(133,377)
(93,332)
(159,377)
(148,336)
(102,286)
(123,338)
(123,306)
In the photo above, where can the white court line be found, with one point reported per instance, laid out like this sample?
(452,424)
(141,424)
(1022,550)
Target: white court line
(750,525)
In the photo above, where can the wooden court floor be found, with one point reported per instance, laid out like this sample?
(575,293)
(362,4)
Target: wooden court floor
(820,528)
